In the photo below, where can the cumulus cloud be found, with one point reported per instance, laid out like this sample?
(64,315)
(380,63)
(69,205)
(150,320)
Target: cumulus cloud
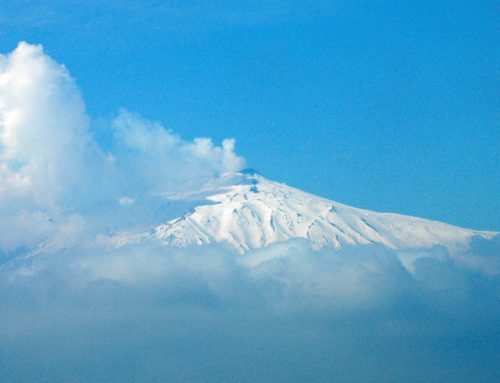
(45,147)
(86,296)
(43,126)
(50,164)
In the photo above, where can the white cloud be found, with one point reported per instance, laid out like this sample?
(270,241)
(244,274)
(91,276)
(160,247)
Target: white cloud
(46,152)
(44,140)
(154,156)
(52,168)
(125,201)
(355,315)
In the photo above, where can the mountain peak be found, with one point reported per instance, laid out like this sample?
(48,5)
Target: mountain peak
(247,211)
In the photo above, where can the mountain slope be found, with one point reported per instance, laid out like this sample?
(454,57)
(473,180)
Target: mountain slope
(247,211)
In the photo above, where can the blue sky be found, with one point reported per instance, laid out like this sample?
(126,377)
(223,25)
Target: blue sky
(389,106)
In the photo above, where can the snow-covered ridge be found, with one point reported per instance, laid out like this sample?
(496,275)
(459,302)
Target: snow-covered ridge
(248,211)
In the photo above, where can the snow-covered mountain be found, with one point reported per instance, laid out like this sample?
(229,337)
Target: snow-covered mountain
(248,211)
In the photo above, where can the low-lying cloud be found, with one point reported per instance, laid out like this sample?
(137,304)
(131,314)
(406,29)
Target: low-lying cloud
(75,306)
(147,313)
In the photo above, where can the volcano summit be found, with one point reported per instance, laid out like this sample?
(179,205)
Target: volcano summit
(247,211)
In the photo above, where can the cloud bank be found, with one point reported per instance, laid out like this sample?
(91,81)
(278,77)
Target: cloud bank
(141,313)
(75,306)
